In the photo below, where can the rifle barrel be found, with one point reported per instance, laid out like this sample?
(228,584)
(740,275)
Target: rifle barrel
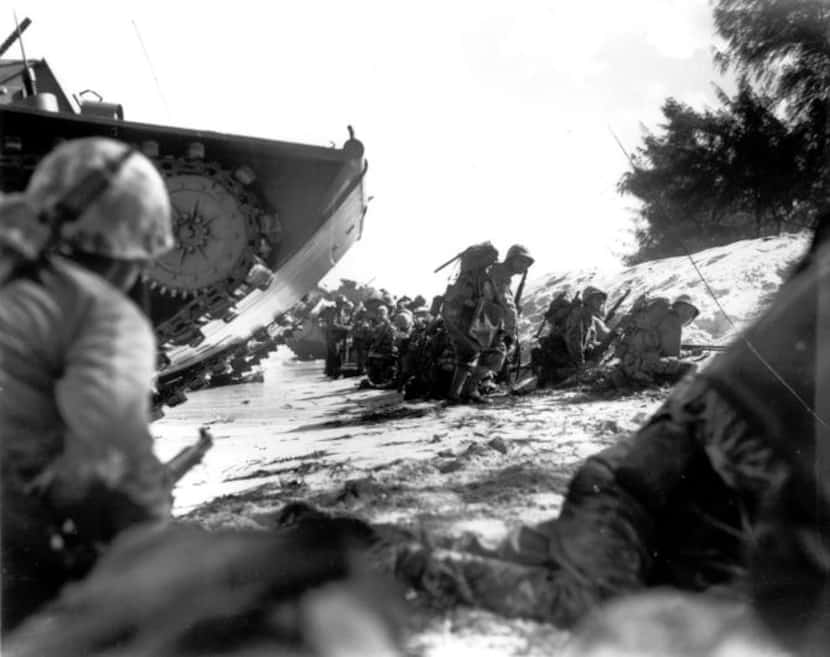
(448,262)
(190,456)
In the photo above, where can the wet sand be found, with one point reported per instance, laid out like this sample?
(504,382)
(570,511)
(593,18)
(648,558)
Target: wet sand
(425,467)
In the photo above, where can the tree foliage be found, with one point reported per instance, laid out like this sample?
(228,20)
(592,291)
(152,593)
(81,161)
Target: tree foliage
(759,162)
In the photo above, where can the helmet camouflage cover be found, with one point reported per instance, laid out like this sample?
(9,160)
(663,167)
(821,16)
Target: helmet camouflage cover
(591,291)
(130,220)
(519,251)
(687,300)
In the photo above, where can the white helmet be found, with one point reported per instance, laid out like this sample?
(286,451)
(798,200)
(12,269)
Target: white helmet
(128,220)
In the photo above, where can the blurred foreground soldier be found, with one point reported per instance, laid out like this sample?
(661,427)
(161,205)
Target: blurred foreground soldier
(473,318)
(306,590)
(649,347)
(725,486)
(77,360)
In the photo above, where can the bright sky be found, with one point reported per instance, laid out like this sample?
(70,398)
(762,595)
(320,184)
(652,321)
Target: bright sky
(481,119)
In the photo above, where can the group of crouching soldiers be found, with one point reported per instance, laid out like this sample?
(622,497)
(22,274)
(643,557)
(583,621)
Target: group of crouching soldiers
(465,346)
(725,487)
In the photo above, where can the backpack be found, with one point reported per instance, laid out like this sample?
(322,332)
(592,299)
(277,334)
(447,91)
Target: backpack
(647,312)
(478,256)
(560,309)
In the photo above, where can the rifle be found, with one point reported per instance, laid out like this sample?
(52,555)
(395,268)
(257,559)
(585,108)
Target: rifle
(189,457)
(517,299)
(610,314)
(602,347)
(449,262)
(705,347)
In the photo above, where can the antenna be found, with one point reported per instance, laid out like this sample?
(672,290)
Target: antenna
(28,78)
(14,36)
(152,70)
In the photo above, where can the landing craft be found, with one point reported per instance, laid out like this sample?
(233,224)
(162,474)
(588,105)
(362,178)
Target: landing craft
(258,223)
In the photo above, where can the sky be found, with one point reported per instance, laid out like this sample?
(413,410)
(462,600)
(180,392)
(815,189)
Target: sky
(481,119)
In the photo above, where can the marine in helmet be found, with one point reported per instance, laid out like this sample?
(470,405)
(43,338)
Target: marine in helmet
(473,316)
(649,346)
(584,328)
(77,361)
(337,324)
(516,263)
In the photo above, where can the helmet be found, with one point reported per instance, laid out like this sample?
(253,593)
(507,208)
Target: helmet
(404,320)
(340,300)
(383,312)
(373,301)
(591,291)
(418,302)
(519,251)
(687,300)
(130,220)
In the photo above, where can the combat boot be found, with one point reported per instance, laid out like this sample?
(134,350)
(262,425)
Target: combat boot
(460,377)
(470,392)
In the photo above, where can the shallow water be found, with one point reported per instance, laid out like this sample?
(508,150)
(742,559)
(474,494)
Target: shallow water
(297,414)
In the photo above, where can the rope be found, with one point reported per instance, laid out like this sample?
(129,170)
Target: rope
(152,71)
(751,347)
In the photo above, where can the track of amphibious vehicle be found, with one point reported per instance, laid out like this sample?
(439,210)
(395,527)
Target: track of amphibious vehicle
(223,237)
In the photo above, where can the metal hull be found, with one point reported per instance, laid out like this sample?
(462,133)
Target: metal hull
(317,193)
(294,278)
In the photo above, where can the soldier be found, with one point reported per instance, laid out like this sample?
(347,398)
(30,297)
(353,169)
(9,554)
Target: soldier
(649,347)
(585,328)
(383,352)
(336,319)
(721,482)
(77,360)
(418,302)
(473,317)
(362,336)
(550,360)
(516,263)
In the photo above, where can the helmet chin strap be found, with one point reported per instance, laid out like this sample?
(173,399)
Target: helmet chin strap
(83,194)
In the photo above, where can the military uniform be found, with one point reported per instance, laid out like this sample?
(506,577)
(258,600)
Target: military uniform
(584,328)
(649,350)
(337,324)
(361,337)
(77,360)
(472,317)
(551,357)
(491,361)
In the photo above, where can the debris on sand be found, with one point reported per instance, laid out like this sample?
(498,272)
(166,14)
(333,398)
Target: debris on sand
(498,444)
(450,466)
